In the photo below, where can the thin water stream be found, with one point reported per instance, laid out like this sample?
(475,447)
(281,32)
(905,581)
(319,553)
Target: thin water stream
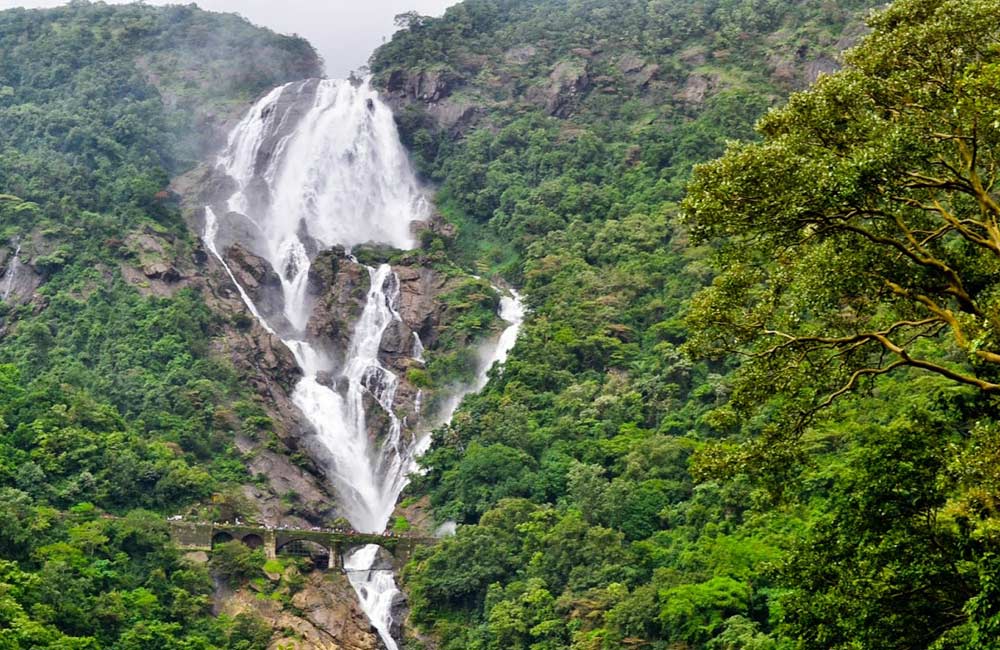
(11,273)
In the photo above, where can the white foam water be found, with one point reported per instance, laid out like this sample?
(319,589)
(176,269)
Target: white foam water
(376,589)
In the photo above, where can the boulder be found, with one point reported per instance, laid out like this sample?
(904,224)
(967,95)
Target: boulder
(566,83)
(258,279)
(161,271)
(339,286)
(419,307)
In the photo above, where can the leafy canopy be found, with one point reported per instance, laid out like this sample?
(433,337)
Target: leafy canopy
(861,235)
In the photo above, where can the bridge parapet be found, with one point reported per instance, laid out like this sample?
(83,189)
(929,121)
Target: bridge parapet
(191,536)
(203,536)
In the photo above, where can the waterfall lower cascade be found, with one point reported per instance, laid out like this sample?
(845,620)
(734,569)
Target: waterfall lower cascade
(317,164)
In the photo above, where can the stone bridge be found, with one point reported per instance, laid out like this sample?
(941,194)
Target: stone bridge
(320,544)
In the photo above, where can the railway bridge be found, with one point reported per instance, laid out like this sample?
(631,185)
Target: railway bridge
(325,546)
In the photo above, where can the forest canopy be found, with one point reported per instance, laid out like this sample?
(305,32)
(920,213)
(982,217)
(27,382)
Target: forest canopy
(759,418)
(861,235)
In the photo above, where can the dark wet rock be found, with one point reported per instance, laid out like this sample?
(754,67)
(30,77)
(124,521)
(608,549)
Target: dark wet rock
(377,420)
(257,278)
(340,288)
(327,378)
(419,304)
(270,355)
(397,339)
(384,560)
(398,611)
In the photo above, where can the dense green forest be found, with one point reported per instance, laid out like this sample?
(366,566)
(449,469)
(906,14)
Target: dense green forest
(760,418)
(110,403)
(753,406)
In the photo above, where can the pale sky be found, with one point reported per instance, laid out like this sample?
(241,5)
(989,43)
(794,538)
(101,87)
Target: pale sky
(344,31)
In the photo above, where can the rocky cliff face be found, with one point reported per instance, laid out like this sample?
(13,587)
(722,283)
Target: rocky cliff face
(317,611)
(19,273)
(339,285)
(455,73)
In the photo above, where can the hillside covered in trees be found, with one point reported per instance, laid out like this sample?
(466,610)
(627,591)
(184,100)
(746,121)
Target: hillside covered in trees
(110,401)
(762,417)
(753,403)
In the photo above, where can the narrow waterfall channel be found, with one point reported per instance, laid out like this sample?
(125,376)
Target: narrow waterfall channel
(317,164)
(11,273)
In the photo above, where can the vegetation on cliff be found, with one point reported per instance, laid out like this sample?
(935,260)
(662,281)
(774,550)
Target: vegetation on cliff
(109,400)
(655,467)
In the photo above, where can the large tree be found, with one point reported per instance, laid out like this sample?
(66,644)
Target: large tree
(860,236)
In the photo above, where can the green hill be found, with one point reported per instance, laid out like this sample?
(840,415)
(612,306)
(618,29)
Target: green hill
(627,480)
(109,398)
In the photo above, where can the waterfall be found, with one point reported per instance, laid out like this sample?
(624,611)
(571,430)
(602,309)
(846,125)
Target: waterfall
(315,164)
(11,273)
(418,348)
(511,311)
(376,589)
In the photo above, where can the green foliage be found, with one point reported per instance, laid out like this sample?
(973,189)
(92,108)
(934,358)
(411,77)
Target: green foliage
(235,562)
(109,400)
(857,233)
(93,582)
(583,526)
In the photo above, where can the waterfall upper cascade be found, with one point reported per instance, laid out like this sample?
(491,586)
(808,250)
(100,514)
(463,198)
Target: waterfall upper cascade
(317,164)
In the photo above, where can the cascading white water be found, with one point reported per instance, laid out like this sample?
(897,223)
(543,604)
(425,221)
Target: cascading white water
(512,311)
(316,164)
(11,274)
(369,481)
(376,589)
(418,348)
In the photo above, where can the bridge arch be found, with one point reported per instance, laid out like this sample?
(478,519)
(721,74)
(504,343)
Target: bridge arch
(370,558)
(221,537)
(322,557)
(252,540)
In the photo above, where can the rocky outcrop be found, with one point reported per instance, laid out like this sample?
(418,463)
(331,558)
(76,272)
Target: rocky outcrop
(294,492)
(340,287)
(420,307)
(520,55)
(636,70)
(322,614)
(697,88)
(258,279)
(434,92)
(152,262)
(454,115)
(19,279)
(567,82)
(427,86)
